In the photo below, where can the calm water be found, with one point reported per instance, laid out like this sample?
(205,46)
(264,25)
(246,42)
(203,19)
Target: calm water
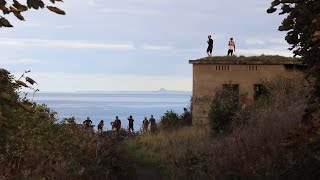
(105,106)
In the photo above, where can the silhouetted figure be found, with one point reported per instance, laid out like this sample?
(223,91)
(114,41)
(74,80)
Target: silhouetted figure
(117,124)
(87,122)
(145,124)
(186,113)
(210,46)
(130,119)
(152,124)
(113,126)
(100,127)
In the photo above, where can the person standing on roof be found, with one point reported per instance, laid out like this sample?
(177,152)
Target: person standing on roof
(210,46)
(231,47)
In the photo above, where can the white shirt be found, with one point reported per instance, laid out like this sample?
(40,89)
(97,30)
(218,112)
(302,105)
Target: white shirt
(231,45)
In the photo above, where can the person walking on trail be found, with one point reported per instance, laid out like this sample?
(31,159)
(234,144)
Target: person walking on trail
(231,47)
(152,124)
(87,122)
(145,124)
(100,127)
(130,119)
(117,124)
(210,46)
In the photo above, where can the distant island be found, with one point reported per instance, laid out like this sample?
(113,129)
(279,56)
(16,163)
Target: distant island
(160,91)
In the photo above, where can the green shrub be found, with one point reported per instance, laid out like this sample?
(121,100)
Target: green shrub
(33,145)
(225,104)
(169,120)
(252,149)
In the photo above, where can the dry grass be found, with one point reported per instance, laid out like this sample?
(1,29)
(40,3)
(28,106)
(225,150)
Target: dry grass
(251,149)
(174,140)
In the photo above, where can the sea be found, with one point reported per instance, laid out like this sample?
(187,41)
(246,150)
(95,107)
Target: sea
(107,105)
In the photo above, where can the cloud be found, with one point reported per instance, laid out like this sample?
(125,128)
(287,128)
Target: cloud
(257,52)
(23,61)
(92,3)
(142,37)
(127,11)
(62,27)
(157,47)
(73,44)
(70,82)
(265,41)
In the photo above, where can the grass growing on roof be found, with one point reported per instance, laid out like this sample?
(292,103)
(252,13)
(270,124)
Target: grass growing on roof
(251,58)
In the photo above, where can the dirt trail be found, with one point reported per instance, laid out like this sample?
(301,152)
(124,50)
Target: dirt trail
(146,173)
(125,167)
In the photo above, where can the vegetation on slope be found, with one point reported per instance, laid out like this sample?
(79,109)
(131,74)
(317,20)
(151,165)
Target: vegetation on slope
(254,147)
(34,145)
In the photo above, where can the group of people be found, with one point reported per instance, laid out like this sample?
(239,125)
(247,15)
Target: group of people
(88,123)
(231,46)
(116,124)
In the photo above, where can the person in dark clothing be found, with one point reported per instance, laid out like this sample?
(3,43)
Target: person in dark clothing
(117,124)
(186,113)
(152,120)
(152,124)
(87,122)
(100,127)
(130,119)
(210,46)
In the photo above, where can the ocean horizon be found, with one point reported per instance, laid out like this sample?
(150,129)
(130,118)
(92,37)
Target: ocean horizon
(106,105)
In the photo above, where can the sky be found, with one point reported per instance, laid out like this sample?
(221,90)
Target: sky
(133,45)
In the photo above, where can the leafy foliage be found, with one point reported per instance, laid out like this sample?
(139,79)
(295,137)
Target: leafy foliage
(34,145)
(226,103)
(250,150)
(171,120)
(303,26)
(16,8)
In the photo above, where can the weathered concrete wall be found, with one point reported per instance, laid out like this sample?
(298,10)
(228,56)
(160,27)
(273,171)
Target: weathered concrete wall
(209,77)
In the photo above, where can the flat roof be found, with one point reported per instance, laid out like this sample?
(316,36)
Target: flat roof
(252,60)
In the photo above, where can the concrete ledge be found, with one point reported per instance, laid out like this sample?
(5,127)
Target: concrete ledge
(253,60)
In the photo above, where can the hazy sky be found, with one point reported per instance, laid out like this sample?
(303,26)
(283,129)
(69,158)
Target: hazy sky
(133,44)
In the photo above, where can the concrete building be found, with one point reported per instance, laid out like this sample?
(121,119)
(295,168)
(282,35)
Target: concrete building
(243,74)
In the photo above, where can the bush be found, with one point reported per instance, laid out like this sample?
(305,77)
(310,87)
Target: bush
(225,104)
(34,145)
(169,120)
(251,149)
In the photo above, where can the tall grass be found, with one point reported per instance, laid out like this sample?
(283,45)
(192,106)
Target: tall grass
(252,148)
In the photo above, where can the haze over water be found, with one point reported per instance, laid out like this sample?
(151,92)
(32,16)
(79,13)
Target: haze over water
(105,106)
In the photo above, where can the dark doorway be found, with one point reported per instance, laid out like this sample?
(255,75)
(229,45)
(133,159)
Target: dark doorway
(259,90)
